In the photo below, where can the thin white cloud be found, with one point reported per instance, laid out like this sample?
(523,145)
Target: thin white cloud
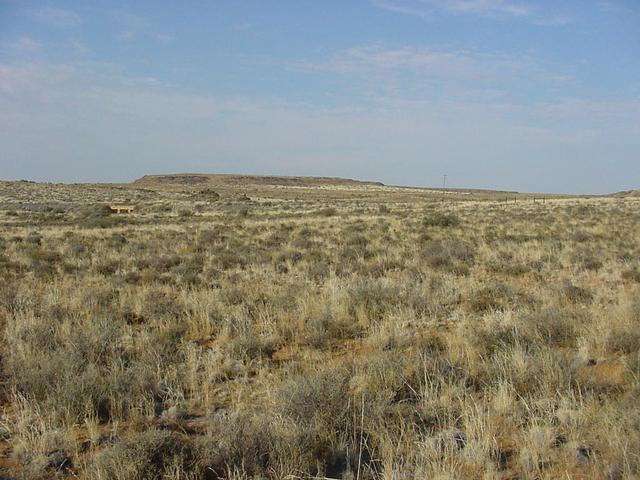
(622,110)
(130,21)
(164,38)
(79,47)
(134,27)
(410,70)
(480,7)
(241,27)
(28,47)
(25,44)
(400,7)
(483,8)
(366,57)
(57,17)
(126,36)
(33,79)
(553,21)
(613,7)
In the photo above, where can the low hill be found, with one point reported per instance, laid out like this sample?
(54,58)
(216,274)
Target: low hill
(628,193)
(297,187)
(201,180)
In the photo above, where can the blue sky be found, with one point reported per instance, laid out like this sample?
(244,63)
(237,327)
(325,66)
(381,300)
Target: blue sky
(511,94)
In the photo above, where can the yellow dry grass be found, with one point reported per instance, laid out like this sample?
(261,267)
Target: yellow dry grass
(317,331)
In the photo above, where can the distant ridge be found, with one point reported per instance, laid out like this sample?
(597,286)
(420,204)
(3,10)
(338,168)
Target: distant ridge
(234,182)
(201,179)
(628,193)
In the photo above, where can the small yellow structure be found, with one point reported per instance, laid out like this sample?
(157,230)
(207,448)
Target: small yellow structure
(122,208)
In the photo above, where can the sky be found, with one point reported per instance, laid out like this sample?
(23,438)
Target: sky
(526,95)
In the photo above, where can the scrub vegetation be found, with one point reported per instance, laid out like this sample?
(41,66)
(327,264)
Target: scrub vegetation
(324,331)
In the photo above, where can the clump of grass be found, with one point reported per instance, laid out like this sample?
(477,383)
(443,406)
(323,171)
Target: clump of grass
(451,256)
(631,274)
(623,340)
(208,195)
(623,336)
(365,345)
(553,326)
(324,327)
(98,216)
(245,342)
(576,294)
(43,263)
(440,219)
(107,267)
(580,237)
(328,212)
(147,455)
(497,296)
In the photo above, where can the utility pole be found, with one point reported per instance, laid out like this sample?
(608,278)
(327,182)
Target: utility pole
(444,182)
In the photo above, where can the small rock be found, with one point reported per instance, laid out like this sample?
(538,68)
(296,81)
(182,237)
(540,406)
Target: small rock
(450,440)
(460,439)
(583,455)
(614,472)
(559,440)
(106,439)
(58,460)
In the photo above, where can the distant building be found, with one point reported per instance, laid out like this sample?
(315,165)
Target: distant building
(122,208)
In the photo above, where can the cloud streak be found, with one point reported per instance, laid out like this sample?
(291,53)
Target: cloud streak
(25,44)
(494,9)
(133,27)
(485,7)
(57,17)
(479,7)
(365,58)
(419,73)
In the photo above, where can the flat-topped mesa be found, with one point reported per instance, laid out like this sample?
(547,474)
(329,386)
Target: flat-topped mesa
(181,178)
(628,193)
(186,179)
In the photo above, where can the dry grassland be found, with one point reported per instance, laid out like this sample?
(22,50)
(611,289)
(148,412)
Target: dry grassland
(317,333)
